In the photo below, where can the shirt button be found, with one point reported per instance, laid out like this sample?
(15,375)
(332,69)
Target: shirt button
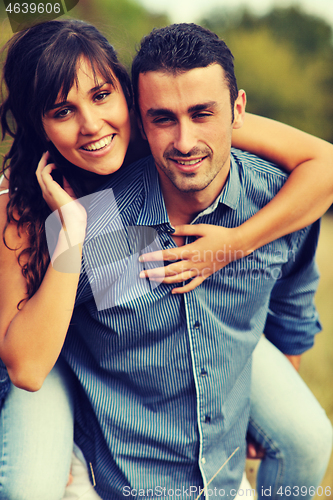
(203,460)
(203,372)
(207,419)
(197,325)
(167,243)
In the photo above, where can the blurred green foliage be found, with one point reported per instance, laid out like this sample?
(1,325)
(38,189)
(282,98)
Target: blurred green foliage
(124,22)
(284,61)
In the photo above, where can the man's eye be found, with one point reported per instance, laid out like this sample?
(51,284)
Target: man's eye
(162,120)
(202,115)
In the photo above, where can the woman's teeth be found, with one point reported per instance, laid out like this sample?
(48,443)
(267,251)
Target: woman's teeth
(99,144)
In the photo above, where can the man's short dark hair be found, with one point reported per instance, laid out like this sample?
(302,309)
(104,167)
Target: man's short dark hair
(181,47)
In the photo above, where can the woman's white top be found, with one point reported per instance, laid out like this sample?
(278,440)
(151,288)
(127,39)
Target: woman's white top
(3,191)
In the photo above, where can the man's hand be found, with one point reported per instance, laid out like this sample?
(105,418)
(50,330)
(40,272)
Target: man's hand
(214,248)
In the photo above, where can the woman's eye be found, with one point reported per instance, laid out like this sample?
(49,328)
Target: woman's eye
(62,113)
(101,96)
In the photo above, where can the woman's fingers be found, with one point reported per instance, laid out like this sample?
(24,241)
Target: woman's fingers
(161,255)
(41,167)
(190,229)
(189,286)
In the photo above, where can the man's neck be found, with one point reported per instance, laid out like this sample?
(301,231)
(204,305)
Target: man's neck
(183,207)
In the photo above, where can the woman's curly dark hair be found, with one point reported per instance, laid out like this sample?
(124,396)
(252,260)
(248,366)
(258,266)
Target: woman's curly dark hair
(41,64)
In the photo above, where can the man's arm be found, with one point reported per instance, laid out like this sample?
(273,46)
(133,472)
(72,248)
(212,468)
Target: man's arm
(292,320)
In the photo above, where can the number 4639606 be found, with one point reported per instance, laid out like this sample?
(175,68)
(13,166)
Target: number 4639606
(304,491)
(33,8)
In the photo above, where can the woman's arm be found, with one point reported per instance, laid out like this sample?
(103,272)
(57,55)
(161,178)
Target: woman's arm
(306,195)
(31,338)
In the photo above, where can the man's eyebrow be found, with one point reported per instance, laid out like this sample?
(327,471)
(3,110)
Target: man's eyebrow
(152,112)
(203,106)
(91,91)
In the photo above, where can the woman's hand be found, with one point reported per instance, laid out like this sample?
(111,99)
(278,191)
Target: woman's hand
(214,248)
(54,195)
(72,214)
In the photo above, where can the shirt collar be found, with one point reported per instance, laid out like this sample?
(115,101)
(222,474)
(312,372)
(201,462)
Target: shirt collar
(230,194)
(153,211)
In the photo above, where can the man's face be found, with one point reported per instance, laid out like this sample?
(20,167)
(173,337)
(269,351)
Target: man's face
(187,119)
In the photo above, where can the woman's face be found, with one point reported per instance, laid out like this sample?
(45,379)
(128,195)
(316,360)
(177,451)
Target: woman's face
(91,129)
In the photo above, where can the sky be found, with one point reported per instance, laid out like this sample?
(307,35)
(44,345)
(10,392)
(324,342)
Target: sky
(193,10)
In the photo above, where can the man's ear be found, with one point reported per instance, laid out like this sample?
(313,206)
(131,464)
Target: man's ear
(239,109)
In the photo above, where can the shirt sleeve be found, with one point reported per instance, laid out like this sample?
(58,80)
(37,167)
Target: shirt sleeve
(292,320)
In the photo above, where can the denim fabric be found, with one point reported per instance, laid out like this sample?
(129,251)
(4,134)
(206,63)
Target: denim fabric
(36,439)
(288,421)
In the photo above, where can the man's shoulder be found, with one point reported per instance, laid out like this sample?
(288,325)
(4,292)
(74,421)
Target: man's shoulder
(128,183)
(120,199)
(259,179)
(130,175)
(252,165)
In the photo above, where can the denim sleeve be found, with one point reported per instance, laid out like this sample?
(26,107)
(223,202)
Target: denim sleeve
(292,320)
(4,383)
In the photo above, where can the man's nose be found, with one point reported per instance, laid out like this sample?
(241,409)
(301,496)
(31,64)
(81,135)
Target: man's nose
(185,139)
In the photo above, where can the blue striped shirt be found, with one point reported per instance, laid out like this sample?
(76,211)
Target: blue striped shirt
(163,380)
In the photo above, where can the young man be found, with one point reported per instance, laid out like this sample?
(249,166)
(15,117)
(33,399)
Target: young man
(164,380)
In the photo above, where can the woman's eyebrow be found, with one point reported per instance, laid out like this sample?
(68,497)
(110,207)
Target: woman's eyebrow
(57,105)
(99,86)
(91,91)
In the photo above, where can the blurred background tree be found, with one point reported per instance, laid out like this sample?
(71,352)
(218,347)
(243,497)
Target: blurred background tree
(284,61)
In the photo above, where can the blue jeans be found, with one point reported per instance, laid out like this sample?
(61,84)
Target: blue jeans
(36,440)
(289,423)
(36,433)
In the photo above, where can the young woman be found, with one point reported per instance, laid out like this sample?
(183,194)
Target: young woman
(67,94)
